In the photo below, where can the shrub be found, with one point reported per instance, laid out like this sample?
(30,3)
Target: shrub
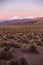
(16,45)
(24,38)
(40,43)
(19,40)
(10,37)
(22,61)
(4,38)
(6,48)
(10,45)
(33,48)
(1,54)
(12,62)
(3,43)
(30,36)
(6,53)
(24,48)
(42,39)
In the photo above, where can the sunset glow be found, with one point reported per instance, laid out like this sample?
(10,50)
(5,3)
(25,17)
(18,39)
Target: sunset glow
(21,8)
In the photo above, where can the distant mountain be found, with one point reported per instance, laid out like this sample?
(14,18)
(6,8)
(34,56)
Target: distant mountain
(17,17)
(2,20)
(13,22)
(17,22)
(39,20)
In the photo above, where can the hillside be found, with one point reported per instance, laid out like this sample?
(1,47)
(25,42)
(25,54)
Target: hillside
(34,21)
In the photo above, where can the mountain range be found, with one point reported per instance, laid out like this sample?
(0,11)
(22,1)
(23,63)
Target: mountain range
(34,21)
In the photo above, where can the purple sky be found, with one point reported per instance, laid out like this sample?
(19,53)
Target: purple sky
(21,8)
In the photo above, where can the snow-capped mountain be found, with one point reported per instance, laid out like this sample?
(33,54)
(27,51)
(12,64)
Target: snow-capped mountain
(17,17)
(22,21)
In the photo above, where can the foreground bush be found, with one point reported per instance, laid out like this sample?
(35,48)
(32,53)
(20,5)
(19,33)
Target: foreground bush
(24,48)
(22,61)
(14,45)
(6,53)
(33,48)
(30,49)
(24,38)
(3,43)
(12,63)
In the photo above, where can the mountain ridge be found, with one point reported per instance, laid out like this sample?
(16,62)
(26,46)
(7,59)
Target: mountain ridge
(12,22)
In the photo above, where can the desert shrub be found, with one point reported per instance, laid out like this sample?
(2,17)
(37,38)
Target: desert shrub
(20,34)
(24,48)
(6,48)
(24,38)
(1,54)
(29,36)
(22,61)
(17,46)
(33,48)
(29,49)
(42,39)
(40,43)
(12,62)
(0,34)
(31,41)
(6,54)
(35,33)
(10,37)
(2,44)
(7,44)
(4,38)
(19,40)
(36,37)
(10,45)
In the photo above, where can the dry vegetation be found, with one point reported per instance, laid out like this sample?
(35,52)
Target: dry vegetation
(25,38)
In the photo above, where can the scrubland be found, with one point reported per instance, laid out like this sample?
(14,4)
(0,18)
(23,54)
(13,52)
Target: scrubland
(21,45)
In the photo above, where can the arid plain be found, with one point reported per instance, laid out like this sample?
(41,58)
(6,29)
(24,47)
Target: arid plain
(21,45)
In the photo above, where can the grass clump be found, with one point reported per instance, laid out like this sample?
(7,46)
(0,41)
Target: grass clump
(33,48)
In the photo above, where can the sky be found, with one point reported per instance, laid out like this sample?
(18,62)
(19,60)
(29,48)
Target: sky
(21,8)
